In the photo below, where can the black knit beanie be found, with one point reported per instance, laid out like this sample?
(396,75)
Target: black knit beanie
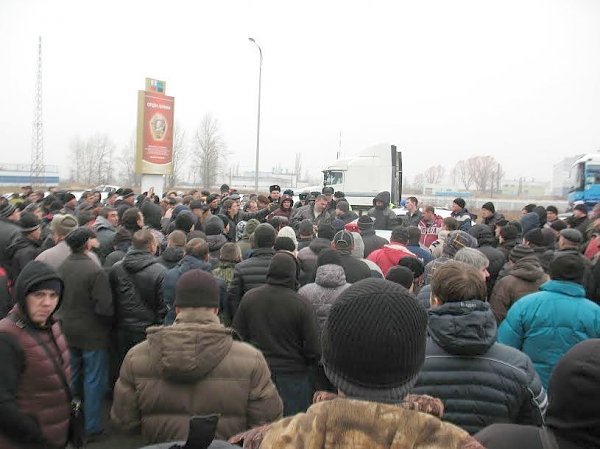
(264,236)
(329,256)
(401,275)
(568,267)
(197,288)
(374,341)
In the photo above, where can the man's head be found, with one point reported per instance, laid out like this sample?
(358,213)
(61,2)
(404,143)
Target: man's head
(128,196)
(196,289)
(528,209)
(30,226)
(111,215)
(325,231)
(8,211)
(399,235)
(286,202)
(176,239)
(37,290)
(343,241)
(328,192)
(262,201)
(580,211)
(476,259)
(342,208)
(534,238)
(275,192)
(251,206)
(488,210)
(231,207)
(567,267)
(61,225)
(401,275)
(429,214)
(198,208)
(230,252)
(450,224)
(264,236)
(455,282)
(132,219)
(412,203)
(79,240)
(197,248)
(458,204)
(570,238)
(414,235)
(508,232)
(458,240)
(185,221)
(306,229)
(374,341)
(551,213)
(365,223)
(321,203)
(143,240)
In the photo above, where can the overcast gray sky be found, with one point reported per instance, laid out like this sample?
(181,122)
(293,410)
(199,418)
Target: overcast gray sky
(443,80)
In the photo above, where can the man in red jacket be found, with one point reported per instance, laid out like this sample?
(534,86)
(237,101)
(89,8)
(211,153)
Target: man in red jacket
(430,225)
(390,254)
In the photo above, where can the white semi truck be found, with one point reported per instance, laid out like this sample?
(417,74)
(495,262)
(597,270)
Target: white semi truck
(361,178)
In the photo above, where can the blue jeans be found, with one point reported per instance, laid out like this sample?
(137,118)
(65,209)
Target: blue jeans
(295,391)
(89,373)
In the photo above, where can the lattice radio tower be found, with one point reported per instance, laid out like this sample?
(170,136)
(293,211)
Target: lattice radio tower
(37,142)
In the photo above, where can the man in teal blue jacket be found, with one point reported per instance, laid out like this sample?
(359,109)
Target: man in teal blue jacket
(546,324)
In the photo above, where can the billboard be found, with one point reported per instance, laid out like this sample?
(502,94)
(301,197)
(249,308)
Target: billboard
(154,148)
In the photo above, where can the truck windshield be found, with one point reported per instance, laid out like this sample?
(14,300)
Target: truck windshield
(577,177)
(333,177)
(592,175)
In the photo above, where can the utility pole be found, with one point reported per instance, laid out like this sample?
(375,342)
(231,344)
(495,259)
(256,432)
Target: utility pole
(37,142)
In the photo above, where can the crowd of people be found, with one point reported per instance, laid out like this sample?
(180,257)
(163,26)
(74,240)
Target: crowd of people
(296,324)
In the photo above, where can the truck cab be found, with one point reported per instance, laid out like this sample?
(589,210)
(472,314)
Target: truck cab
(361,178)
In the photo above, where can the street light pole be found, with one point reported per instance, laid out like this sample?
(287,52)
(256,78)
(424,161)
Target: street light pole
(258,124)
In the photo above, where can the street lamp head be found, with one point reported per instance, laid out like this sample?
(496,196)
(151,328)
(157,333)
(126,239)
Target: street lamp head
(251,39)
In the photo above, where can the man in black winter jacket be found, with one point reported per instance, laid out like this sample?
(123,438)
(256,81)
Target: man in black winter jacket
(136,284)
(572,421)
(480,382)
(371,240)
(384,217)
(282,324)
(252,272)
(9,232)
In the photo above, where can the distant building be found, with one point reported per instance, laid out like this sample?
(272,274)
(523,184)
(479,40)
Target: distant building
(20,175)
(525,188)
(560,175)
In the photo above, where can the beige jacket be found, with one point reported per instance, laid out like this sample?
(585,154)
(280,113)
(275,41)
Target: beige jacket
(346,423)
(193,368)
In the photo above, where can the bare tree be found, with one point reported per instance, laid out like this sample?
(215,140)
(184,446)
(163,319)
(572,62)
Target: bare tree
(209,151)
(419,181)
(92,159)
(434,174)
(483,171)
(179,158)
(126,161)
(298,166)
(463,174)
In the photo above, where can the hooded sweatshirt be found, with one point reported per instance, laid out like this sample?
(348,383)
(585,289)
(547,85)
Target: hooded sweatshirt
(279,321)
(385,218)
(35,408)
(389,256)
(193,368)
(479,381)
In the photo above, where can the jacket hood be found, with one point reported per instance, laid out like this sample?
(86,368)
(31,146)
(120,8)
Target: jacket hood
(19,243)
(574,395)
(250,228)
(284,270)
(173,254)
(358,251)
(483,234)
(383,196)
(216,242)
(394,251)
(191,348)
(136,260)
(529,221)
(152,213)
(319,244)
(122,239)
(528,269)
(463,328)
(33,273)
(102,223)
(330,276)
